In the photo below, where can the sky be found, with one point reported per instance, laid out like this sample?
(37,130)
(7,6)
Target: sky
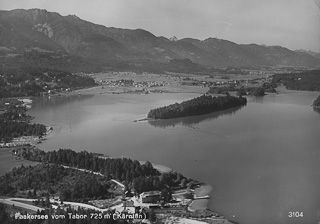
(294,24)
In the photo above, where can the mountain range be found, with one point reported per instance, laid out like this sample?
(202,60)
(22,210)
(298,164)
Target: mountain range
(36,37)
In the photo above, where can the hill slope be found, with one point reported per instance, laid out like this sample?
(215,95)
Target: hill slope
(68,42)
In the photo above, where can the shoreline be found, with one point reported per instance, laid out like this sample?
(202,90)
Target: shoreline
(198,207)
(29,140)
(143,119)
(203,189)
(200,204)
(160,168)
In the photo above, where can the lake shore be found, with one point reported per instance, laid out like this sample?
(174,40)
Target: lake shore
(173,86)
(160,168)
(203,190)
(31,140)
(198,207)
(8,161)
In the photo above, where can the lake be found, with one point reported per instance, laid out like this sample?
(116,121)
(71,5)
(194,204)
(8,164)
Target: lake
(262,160)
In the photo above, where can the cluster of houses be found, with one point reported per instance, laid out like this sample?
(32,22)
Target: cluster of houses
(131,83)
(128,203)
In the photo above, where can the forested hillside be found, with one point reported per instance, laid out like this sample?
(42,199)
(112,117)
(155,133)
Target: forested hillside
(15,122)
(306,81)
(135,176)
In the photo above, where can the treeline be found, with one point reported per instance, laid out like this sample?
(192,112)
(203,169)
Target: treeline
(44,180)
(14,129)
(135,176)
(316,102)
(242,91)
(34,81)
(200,105)
(14,122)
(305,81)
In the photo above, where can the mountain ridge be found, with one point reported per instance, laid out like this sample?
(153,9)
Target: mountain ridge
(38,30)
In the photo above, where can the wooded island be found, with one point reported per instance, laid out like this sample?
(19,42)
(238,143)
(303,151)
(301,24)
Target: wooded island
(200,105)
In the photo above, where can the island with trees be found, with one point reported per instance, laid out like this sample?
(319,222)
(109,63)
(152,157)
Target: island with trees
(200,105)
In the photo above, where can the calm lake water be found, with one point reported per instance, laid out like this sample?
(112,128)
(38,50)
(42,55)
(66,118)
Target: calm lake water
(263,159)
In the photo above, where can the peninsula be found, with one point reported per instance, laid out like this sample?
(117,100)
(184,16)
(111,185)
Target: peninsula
(86,184)
(197,106)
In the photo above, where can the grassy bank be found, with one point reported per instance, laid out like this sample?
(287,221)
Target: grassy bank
(8,162)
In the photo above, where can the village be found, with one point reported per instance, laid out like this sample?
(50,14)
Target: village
(125,205)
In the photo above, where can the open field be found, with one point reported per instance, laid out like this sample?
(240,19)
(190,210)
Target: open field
(145,83)
(8,162)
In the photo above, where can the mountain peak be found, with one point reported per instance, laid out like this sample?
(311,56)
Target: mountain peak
(74,16)
(83,40)
(33,16)
(174,38)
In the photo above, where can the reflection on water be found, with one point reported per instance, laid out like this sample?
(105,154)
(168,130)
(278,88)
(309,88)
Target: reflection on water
(192,120)
(316,109)
(258,99)
(54,101)
(262,159)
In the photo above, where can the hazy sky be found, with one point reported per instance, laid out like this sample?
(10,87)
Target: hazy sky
(294,24)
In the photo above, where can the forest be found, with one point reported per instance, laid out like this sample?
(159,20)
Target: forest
(12,129)
(51,179)
(135,176)
(15,122)
(242,91)
(200,105)
(304,81)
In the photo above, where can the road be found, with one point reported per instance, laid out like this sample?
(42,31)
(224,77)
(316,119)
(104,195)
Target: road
(10,201)
(96,173)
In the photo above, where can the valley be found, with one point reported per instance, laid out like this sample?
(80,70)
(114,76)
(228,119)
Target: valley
(88,113)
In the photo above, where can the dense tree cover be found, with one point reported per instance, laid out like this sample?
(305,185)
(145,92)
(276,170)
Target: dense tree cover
(256,91)
(316,102)
(135,176)
(241,91)
(194,121)
(197,106)
(4,216)
(70,184)
(12,129)
(14,122)
(306,81)
(33,81)
(269,87)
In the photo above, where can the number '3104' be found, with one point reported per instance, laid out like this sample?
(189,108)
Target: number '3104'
(295,214)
